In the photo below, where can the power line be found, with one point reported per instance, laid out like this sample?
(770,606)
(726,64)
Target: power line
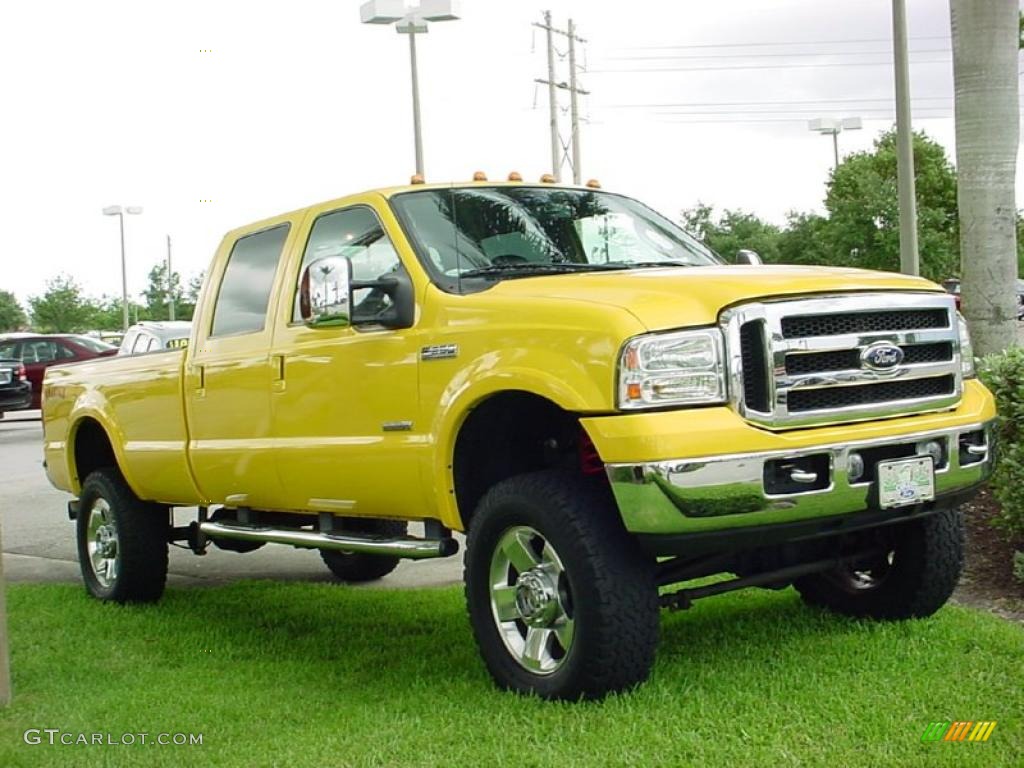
(775,43)
(668,57)
(759,66)
(766,103)
(801,120)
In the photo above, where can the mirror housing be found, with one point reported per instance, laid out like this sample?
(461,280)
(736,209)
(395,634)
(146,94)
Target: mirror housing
(746,256)
(326,297)
(325,293)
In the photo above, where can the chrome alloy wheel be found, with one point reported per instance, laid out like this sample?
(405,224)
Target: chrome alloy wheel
(530,600)
(102,543)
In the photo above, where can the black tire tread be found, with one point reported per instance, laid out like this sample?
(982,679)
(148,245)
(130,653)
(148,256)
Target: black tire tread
(624,592)
(142,540)
(930,558)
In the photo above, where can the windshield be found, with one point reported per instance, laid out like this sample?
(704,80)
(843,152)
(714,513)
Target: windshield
(482,234)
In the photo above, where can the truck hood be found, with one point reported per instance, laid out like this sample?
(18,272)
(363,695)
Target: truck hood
(675,297)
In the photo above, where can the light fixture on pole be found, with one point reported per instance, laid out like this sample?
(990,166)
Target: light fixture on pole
(116,210)
(834,126)
(410,21)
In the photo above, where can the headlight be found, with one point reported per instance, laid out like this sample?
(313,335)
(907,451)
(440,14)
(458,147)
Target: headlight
(966,349)
(667,369)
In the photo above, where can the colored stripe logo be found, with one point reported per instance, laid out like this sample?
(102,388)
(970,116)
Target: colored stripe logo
(960,730)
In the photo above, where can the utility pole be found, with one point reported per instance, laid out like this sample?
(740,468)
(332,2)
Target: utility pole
(556,150)
(574,91)
(574,108)
(170,282)
(909,261)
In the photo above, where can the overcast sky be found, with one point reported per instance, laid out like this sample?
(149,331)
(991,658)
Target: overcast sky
(116,102)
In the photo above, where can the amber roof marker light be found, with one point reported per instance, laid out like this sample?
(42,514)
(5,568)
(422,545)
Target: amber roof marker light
(417,178)
(515,176)
(593,183)
(479,176)
(547,178)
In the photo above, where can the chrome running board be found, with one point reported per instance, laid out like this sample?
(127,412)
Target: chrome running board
(403,546)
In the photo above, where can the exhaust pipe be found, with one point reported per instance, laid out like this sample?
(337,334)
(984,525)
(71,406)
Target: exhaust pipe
(405,546)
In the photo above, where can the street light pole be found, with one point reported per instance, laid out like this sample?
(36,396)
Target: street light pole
(411,21)
(170,283)
(833,127)
(415,98)
(116,210)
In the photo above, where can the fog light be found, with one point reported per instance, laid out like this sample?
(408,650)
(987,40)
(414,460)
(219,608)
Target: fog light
(854,467)
(931,448)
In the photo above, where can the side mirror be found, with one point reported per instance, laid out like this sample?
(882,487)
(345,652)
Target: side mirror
(745,256)
(325,293)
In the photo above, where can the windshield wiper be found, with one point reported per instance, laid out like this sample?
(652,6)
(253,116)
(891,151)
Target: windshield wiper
(645,264)
(524,270)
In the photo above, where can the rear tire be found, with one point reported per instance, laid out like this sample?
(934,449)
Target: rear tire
(924,562)
(562,602)
(122,541)
(360,566)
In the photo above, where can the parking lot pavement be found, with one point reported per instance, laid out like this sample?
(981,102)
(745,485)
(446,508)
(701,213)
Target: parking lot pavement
(39,540)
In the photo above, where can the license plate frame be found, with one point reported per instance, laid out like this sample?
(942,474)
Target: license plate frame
(904,482)
(5,375)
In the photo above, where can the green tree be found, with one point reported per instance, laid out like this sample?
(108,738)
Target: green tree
(12,316)
(62,308)
(732,231)
(155,296)
(803,240)
(862,227)
(187,305)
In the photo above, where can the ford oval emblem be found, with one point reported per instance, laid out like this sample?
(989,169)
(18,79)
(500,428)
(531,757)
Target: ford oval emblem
(882,356)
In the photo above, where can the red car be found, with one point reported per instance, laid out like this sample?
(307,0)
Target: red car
(39,351)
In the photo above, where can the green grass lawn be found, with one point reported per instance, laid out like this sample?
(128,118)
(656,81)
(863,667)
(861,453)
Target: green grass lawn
(324,675)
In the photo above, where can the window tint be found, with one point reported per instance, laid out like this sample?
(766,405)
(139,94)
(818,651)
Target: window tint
(39,352)
(94,344)
(356,234)
(64,353)
(245,288)
(9,350)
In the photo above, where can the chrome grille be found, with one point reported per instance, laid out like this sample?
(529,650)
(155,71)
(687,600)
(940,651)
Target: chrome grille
(804,362)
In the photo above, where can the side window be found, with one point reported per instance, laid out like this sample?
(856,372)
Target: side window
(10,350)
(127,342)
(40,352)
(244,294)
(140,343)
(356,234)
(64,353)
(154,343)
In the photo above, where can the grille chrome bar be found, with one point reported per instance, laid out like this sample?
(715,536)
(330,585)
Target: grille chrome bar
(844,323)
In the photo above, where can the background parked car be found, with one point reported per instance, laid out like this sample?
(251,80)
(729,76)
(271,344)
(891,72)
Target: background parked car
(39,351)
(153,335)
(15,389)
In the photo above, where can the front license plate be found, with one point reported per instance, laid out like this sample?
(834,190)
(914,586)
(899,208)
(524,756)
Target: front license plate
(905,481)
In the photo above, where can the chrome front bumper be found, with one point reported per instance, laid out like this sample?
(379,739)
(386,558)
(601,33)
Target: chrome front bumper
(736,490)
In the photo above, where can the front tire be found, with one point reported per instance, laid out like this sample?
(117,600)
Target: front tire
(914,578)
(562,602)
(122,541)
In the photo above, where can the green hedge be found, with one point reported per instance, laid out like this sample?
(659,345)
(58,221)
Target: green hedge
(1004,375)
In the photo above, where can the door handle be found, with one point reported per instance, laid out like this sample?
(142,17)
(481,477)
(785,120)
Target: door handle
(277,363)
(200,380)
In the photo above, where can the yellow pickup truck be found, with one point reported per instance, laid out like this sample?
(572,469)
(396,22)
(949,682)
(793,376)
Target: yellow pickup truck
(607,410)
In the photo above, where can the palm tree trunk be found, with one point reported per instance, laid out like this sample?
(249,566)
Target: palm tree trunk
(985,39)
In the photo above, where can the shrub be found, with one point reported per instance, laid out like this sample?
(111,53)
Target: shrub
(1004,375)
